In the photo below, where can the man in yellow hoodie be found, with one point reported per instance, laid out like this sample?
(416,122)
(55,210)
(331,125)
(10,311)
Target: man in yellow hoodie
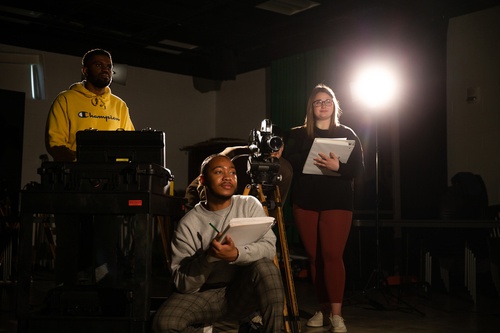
(85,105)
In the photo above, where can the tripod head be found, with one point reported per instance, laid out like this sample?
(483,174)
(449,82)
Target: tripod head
(263,174)
(263,171)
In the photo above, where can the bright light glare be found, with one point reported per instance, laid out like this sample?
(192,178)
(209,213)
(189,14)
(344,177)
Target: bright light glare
(375,87)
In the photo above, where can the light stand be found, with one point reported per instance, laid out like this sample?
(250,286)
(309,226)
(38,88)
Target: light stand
(378,269)
(377,281)
(377,199)
(377,276)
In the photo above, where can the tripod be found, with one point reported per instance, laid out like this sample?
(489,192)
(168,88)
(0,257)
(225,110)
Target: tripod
(291,309)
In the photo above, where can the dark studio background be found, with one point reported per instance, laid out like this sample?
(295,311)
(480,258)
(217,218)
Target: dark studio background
(411,131)
(324,44)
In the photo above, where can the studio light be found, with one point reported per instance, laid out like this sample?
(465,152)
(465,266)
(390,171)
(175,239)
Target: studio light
(375,86)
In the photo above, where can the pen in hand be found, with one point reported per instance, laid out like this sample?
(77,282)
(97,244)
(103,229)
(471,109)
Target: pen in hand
(214,228)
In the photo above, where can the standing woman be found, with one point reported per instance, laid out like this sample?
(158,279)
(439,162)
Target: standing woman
(323,205)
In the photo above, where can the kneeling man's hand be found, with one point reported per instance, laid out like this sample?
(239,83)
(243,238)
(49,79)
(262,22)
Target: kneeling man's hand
(226,251)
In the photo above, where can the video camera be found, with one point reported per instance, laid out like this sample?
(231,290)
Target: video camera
(262,166)
(263,143)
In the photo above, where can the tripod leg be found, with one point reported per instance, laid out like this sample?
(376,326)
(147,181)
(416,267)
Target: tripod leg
(291,310)
(291,299)
(286,317)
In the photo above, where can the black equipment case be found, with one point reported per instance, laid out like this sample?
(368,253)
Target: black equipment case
(146,146)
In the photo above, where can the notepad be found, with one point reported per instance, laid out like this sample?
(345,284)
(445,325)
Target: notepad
(246,230)
(340,147)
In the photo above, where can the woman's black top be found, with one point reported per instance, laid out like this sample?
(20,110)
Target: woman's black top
(321,192)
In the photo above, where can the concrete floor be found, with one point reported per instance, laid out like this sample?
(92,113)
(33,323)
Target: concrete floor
(403,309)
(412,308)
(400,308)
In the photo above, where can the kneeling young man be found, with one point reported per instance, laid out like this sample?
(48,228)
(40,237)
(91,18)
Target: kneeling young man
(217,281)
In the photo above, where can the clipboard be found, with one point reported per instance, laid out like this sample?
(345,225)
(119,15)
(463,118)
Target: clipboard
(246,230)
(340,147)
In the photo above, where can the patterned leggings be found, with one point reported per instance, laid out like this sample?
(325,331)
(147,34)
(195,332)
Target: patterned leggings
(324,235)
(256,287)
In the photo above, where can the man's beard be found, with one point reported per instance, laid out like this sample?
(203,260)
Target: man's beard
(99,82)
